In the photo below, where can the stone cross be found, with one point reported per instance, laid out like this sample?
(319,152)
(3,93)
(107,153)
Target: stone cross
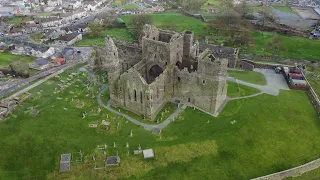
(131,133)
(114,144)
(127,145)
(139,147)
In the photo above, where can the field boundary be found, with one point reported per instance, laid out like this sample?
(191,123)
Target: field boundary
(293,172)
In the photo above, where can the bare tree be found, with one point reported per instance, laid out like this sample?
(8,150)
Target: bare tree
(192,6)
(137,23)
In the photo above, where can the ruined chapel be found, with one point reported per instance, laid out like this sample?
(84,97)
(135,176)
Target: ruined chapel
(167,66)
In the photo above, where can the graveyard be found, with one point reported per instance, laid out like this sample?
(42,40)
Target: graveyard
(247,140)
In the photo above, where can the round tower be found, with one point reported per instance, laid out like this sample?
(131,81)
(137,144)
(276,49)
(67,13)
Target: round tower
(111,60)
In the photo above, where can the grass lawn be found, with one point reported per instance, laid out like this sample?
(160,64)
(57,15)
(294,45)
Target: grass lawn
(313,75)
(6,58)
(299,48)
(284,9)
(172,18)
(131,6)
(119,33)
(238,90)
(259,8)
(249,76)
(311,175)
(211,3)
(280,133)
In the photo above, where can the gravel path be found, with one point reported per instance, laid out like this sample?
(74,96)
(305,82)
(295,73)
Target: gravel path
(275,83)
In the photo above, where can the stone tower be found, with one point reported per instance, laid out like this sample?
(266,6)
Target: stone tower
(111,64)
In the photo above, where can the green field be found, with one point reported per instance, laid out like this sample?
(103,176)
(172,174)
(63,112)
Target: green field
(211,3)
(6,58)
(178,20)
(239,90)
(131,6)
(284,9)
(249,76)
(118,33)
(311,175)
(260,8)
(280,133)
(313,75)
(299,48)
(160,20)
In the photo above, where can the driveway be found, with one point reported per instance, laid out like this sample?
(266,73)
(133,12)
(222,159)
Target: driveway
(275,82)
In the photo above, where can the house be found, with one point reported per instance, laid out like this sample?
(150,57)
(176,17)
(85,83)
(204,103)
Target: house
(15,32)
(7,11)
(56,55)
(40,64)
(53,34)
(154,9)
(58,61)
(69,39)
(31,28)
(49,22)
(80,28)
(38,51)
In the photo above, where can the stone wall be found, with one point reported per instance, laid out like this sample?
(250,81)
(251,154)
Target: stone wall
(283,29)
(313,96)
(245,64)
(293,172)
(279,60)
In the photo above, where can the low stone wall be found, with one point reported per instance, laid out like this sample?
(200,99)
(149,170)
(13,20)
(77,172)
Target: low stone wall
(198,16)
(279,60)
(313,96)
(293,172)
(244,63)
(283,29)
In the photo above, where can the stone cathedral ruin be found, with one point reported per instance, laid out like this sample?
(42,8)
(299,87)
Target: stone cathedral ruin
(167,67)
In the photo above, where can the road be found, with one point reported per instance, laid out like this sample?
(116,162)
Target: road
(51,72)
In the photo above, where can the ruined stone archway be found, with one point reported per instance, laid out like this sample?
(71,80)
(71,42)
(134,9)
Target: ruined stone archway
(154,72)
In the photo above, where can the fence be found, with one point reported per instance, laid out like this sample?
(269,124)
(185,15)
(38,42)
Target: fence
(313,95)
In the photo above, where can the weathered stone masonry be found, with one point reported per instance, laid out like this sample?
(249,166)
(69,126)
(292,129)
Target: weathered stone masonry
(171,66)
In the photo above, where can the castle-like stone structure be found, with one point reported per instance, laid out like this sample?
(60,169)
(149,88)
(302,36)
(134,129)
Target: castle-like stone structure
(171,67)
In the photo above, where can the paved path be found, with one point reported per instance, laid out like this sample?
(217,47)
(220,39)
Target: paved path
(144,125)
(275,83)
